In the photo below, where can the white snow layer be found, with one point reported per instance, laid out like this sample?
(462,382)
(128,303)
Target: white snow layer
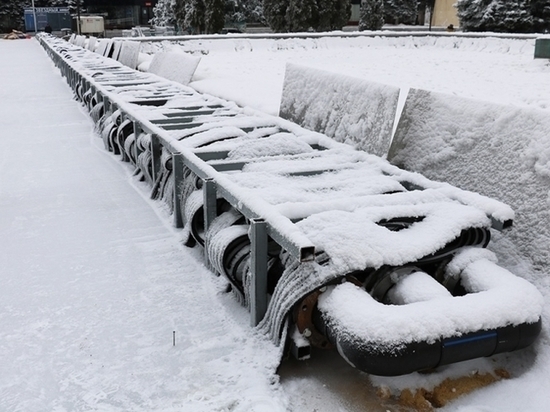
(95,281)
(178,67)
(129,53)
(500,151)
(350,110)
(251,73)
(496,297)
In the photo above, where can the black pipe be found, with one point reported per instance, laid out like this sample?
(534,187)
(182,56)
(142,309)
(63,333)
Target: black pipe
(390,359)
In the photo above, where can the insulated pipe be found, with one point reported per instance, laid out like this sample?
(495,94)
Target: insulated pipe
(394,353)
(417,356)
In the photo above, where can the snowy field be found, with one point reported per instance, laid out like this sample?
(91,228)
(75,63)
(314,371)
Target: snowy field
(95,281)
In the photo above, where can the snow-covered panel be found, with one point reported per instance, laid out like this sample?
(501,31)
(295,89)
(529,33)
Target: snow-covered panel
(92,41)
(80,41)
(104,46)
(129,53)
(496,150)
(117,46)
(351,110)
(178,67)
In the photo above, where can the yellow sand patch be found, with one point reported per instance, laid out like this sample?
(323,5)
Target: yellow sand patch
(424,400)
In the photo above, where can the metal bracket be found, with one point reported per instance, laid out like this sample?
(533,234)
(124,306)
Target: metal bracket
(177,175)
(156,149)
(258,270)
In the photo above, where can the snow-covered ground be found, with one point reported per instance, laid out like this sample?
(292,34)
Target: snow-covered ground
(95,281)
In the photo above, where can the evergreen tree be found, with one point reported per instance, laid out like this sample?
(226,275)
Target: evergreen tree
(342,14)
(301,15)
(178,8)
(471,14)
(195,14)
(164,14)
(372,15)
(509,16)
(255,10)
(400,11)
(11,15)
(495,15)
(244,11)
(540,10)
(275,12)
(214,15)
(333,14)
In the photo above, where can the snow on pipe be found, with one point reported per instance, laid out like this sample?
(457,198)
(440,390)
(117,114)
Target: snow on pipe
(400,280)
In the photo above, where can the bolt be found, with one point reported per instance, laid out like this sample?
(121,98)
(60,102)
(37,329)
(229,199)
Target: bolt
(306,333)
(323,289)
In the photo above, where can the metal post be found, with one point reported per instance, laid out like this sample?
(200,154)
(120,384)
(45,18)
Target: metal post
(210,211)
(78,17)
(210,202)
(137,132)
(258,270)
(34,17)
(156,149)
(177,172)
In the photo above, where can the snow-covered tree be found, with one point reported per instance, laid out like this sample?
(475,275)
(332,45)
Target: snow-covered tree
(242,11)
(540,9)
(495,15)
(11,14)
(333,14)
(471,14)
(255,10)
(372,15)
(178,9)
(509,16)
(163,13)
(194,20)
(400,11)
(301,15)
(275,15)
(214,15)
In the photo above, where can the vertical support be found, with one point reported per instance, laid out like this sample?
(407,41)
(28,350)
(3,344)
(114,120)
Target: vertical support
(137,132)
(106,104)
(210,202)
(156,149)
(177,175)
(210,209)
(258,270)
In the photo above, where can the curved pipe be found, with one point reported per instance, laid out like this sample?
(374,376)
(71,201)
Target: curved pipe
(425,326)
(402,359)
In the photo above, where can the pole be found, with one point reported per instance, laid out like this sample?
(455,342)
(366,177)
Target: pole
(77,17)
(34,17)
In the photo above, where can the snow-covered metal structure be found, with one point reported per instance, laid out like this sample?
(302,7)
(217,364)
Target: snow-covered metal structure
(326,245)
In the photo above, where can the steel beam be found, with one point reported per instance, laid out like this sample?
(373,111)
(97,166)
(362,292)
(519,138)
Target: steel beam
(258,270)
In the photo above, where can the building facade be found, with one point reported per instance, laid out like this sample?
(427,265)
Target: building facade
(121,14)
(445,13)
